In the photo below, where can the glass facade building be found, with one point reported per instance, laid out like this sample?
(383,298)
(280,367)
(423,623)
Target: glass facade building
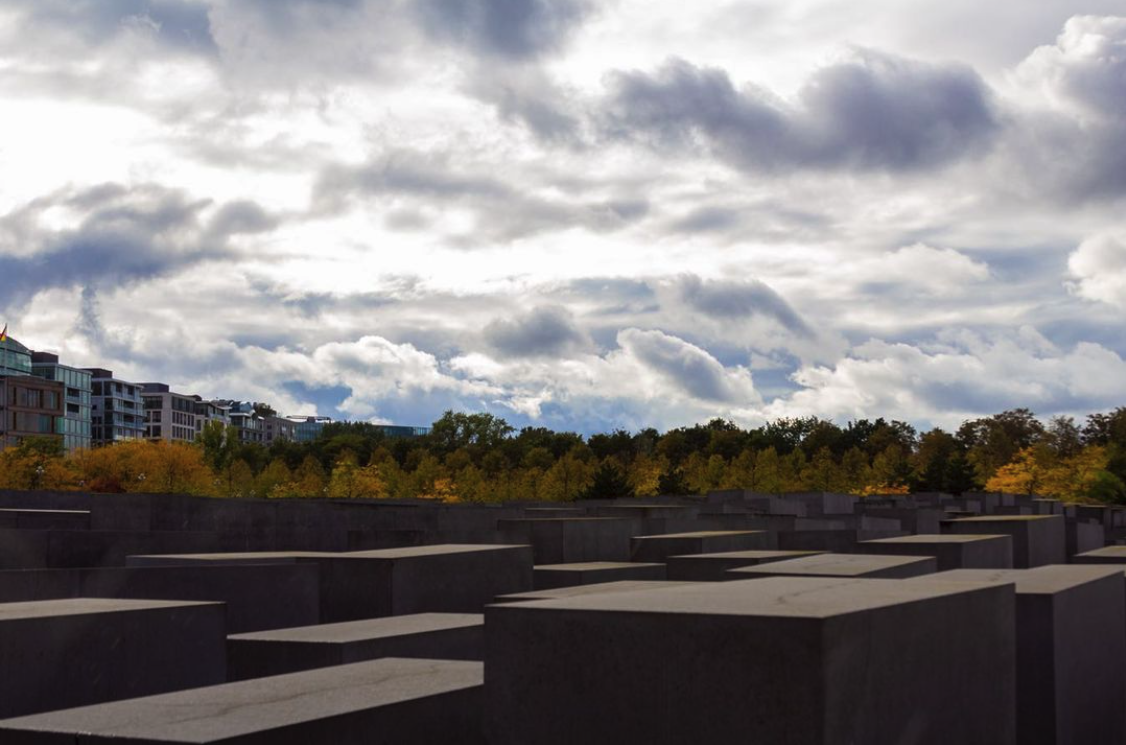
(117,411)
(76,423)
(30,406)
(308,428)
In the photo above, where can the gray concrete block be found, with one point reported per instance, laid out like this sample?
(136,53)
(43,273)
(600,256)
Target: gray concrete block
(713,567)
(1105,555)
(257,597)
(825,503)
(836,541)
(842,565)
(435,636)
(951,551)
(584,590)
(797,661)
(1047,507)
(647,511)
(382,702)
(1038,540)
(1071,652)
(658,548)
(59,549)
(56,654)
(547,576)
(1083,537)
(915,520)
(31,519)
(447,578)
(571,540)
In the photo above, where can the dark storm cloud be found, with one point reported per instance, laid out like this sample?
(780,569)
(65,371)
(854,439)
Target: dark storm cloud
(731,300)
(874,113)
(516,29)
(503,211)
(182,24)
(544,332)
(124,235)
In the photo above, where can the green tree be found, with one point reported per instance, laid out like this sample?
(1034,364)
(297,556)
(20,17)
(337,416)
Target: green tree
(608,482)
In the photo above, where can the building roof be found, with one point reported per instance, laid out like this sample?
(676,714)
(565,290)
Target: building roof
(14,346)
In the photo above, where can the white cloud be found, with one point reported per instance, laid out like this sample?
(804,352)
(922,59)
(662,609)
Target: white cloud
(1098,267)
(933,271)
(963,375)
(1085,68)
(438,219)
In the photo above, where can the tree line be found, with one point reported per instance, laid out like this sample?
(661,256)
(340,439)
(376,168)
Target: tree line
(478,457)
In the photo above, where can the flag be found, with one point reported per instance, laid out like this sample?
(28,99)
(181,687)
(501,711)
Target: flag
(4,333)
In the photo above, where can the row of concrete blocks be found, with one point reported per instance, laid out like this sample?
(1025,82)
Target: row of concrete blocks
(268,591)
(970,656)
(293,588)
(113,526)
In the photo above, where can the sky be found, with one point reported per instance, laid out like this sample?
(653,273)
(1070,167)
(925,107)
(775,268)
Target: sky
(574,214)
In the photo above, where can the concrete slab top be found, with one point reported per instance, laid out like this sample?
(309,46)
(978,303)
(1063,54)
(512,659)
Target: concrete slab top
(597,589)
(594,566)
(698,534)
(244,557)
(839,565)
(937,538)
(371,628)
(1005,518)
(752,555)
(213,714)
(23,511)
(561,519)
(792,597)
(1044,580)
(86,606)
(435,550)
(1108,552)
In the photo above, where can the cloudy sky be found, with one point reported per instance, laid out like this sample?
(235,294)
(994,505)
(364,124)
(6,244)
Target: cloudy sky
(578,214)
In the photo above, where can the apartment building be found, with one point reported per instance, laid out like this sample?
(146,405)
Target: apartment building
(30,406)
(117,412)
(78,391)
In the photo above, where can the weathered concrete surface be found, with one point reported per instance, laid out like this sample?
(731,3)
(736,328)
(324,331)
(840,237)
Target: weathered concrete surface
(836,541)
(713,567)
(1038,540)
(547,576)
(1083,537)
(657,548)
(257,597)
(436,636)
(1106,555)
(60,549)
(1071,651)
(783,660)
(56,654)
(32,519)
(382,702)
(584,590)
(571,540)
(842,565)
(392,582)
(951,551)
